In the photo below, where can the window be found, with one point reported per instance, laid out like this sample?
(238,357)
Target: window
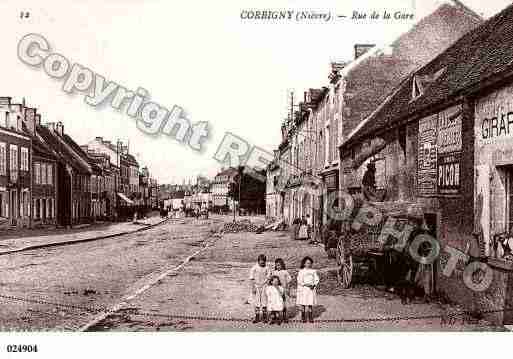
(37,210)
(417,89)
(43,173)
(49,174)
(3,159)
(327,158)
(509,198)
(24,159)
(4,205)
(37,173)
(13,156)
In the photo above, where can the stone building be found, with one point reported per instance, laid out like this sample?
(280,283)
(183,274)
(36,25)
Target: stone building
(445,137)
(355,89)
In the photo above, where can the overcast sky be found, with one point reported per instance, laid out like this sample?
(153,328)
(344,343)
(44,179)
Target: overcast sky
(195,54)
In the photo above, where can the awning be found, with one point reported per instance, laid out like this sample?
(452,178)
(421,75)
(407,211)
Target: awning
(125,198)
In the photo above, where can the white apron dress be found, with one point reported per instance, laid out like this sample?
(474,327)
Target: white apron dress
(305,295)
(260,276)
(303,232)
(285,280)
(275,298)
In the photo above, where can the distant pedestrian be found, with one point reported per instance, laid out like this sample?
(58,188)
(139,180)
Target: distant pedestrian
(275,299)
(259,277)
(303,229)
(285,279)
(309,227)
(307,281)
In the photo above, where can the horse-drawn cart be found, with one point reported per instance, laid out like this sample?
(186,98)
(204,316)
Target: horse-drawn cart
(360,249)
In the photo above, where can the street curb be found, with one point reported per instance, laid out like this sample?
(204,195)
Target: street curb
(84,240)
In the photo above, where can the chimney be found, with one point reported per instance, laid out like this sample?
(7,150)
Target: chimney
(99,139)
(283,133)
(50,126)
(304,97)
(360,49)
(5,102)
(59,128)
(30,120)
(38,119)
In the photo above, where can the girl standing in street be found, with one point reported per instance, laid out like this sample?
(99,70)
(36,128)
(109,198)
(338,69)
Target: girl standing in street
(307,281)
(259,277)
(281,272)
(275,299)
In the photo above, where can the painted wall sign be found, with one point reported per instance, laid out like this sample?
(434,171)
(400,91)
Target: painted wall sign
(449,130)
(427,171)
(449,173)
(494,117)
(449,150)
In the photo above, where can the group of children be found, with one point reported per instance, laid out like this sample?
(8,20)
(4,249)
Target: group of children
(270,289)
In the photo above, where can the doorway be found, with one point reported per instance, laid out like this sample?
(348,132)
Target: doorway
(14,207)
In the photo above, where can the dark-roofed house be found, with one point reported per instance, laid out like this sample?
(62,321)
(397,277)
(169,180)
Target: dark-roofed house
(44,178)
(73,175)
(446,137)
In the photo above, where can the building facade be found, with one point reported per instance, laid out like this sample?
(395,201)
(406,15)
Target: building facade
(15,170)
(445,138)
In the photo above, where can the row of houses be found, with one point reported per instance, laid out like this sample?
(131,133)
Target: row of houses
(322,121)
(215,193)
(438,129)
(47,179)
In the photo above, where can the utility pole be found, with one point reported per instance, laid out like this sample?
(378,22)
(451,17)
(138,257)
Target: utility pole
(292,105)
(240,178)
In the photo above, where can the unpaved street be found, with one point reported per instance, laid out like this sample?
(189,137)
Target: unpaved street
(182,276)
(211,291)
(63,288)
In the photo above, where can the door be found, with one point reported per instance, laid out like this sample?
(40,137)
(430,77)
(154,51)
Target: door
(509,199)
(14,207)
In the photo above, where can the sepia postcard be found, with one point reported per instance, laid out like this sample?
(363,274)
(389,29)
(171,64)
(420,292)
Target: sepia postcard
(251,167)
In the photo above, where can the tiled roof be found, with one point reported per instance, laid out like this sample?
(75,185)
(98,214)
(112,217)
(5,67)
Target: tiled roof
(480,55)
(372,76)
(64,150)
(40,149)
(228,172)
(128,157)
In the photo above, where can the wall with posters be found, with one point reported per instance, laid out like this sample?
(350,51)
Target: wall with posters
(439,153)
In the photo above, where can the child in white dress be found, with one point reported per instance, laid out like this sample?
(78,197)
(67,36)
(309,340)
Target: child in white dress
(307,281)
(259,277)
(275,299)
(281,272)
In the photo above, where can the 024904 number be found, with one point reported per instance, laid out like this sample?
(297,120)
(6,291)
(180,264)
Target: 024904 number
(22,348)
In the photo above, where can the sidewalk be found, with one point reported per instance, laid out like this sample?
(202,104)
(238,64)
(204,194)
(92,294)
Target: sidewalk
(22,240)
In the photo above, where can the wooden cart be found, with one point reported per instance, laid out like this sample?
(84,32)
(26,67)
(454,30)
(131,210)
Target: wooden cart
(363,250)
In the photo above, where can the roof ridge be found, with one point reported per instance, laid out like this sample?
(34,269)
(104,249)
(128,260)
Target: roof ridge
(466,8)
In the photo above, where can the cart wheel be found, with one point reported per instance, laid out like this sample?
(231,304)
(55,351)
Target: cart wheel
(345,263)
